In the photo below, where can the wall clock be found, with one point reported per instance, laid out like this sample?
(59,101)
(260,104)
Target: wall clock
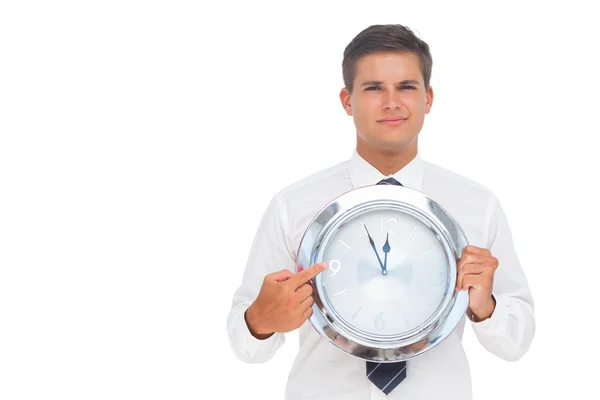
(389,292)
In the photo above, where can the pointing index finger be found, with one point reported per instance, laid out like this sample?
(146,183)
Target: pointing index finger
(307,274)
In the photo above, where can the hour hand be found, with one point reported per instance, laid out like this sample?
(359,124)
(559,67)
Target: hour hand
(375,250)
(386,250)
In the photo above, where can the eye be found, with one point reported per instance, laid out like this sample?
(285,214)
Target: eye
(373,88)
(408,87)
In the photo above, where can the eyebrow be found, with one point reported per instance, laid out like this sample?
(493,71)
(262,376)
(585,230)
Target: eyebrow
(377,83)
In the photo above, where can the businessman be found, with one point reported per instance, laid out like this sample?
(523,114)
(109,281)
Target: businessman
(386,71)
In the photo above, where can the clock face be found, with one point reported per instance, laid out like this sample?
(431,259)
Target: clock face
(390,286)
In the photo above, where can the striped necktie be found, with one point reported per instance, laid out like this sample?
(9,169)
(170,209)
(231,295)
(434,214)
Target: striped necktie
(386,376)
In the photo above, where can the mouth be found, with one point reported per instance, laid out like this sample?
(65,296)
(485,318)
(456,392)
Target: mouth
(392,121)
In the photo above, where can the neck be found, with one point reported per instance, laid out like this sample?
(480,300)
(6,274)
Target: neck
(387,161)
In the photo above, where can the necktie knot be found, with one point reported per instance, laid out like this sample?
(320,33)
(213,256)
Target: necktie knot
(389,181)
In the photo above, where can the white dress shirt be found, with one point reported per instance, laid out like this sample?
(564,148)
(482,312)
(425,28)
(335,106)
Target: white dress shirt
(320,370)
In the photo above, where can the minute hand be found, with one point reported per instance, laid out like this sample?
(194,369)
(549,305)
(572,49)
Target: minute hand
(374,249)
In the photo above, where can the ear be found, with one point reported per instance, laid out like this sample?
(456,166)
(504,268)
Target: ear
(428,99)
(345,99)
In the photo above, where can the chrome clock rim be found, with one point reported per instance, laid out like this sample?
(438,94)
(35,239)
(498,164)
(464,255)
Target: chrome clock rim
(391,348)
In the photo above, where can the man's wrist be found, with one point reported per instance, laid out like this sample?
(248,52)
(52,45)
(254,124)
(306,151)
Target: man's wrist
(251,316)
(485,313)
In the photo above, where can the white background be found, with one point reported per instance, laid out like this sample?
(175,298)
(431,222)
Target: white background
(140,143)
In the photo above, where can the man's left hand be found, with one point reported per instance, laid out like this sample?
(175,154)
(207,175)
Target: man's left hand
(476,270)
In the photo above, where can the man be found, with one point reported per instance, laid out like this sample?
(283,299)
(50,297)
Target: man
(386,71)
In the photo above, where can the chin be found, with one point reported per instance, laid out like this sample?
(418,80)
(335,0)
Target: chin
(395,143)
(390,141)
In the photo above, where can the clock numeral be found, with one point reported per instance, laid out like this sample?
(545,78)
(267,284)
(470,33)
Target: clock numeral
(394,221)
(334,266)
(439,278)
(380,321)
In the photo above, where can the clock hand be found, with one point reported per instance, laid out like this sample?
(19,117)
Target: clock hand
(386,250)
(375,250)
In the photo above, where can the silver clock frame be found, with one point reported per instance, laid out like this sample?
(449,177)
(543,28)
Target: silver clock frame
(385,348)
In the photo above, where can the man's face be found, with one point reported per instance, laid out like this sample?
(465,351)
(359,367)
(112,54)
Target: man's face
(388,86)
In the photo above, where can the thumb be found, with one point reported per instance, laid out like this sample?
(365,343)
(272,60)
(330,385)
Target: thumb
(281,276)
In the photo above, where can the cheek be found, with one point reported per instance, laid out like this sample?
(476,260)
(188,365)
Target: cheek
(367,110)
(415,105)
(362,114)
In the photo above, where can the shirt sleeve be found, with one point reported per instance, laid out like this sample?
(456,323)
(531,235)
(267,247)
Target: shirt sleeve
(508,333)
(270,252)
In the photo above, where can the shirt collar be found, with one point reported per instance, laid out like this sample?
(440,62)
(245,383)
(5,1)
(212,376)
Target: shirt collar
(363,174)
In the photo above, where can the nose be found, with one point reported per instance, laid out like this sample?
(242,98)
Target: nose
(391,100)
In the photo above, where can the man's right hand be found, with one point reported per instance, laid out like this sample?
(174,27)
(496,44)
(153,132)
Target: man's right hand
(283,303)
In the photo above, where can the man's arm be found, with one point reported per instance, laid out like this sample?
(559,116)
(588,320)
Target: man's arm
(509,331)
(270,252)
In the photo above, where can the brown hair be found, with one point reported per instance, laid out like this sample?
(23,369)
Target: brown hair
(384,38)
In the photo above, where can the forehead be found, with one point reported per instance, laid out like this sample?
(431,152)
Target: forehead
(393,66)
